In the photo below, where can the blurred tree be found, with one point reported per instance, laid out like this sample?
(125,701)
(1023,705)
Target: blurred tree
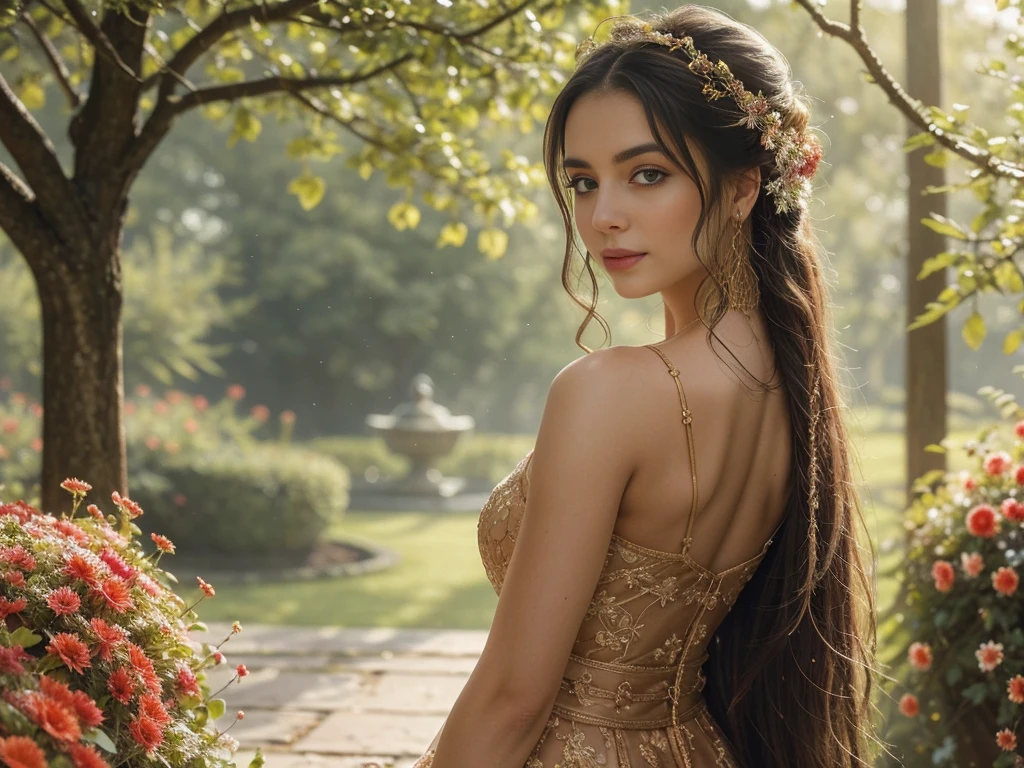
(407,80)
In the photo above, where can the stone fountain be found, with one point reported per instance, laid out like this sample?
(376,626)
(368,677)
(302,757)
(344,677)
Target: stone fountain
(423,431)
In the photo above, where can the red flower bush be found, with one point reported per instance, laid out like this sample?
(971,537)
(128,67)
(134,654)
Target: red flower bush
(964,637)
(97,666)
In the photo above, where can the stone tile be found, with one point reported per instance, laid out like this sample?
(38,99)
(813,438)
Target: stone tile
(304,662)
(423,694)
(363,733)
(276,689)
(388,662)
(263,727)
(314,760)
(262,638)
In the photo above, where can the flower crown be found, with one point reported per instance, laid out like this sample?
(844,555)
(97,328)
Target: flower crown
(797,154)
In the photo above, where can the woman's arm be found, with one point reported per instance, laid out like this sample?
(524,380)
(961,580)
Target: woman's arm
(585,454)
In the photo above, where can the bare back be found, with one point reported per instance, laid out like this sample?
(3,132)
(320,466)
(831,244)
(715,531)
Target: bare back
(741,443)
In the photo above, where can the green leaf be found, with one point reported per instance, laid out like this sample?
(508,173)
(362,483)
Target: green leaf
(945,227)
(257,760)
(936,263)
(216,708)
(24,637)
(937,158)
(198,626)
(935,448)
(100,739)
(309,189)
(924,139)
(974,330)
(1012,341)
(976,693)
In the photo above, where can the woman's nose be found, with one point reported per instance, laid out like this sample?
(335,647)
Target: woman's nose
(609,212)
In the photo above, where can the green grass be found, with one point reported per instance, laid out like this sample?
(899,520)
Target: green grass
(440,582)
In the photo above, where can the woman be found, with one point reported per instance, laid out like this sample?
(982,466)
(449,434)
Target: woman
(677,564)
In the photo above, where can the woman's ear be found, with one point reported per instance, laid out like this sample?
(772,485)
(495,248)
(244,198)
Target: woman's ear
(745,191)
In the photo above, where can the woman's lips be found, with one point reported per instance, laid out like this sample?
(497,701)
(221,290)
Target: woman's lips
(622,262)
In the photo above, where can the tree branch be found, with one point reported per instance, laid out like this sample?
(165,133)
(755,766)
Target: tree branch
(19,215)
(100,42)
(278,84)
(910,107)
(56,62)
(35,155)
(210,35)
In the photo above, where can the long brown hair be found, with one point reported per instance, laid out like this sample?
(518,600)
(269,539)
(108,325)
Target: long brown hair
(791,667)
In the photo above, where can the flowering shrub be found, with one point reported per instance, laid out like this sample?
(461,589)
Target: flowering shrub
(965,659)
(97,667)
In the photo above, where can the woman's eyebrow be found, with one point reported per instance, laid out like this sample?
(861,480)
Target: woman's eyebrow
(623,156)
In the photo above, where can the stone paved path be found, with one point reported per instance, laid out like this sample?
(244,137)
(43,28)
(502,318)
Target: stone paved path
(328,697)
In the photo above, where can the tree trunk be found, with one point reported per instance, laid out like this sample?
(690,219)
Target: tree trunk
(83,384)
(925,381)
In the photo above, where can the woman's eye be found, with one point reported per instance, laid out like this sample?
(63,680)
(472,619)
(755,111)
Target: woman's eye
(648,181)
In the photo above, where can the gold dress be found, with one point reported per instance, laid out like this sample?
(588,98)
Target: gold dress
(630,696)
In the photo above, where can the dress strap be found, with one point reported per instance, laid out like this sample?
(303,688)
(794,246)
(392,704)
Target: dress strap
(687,418)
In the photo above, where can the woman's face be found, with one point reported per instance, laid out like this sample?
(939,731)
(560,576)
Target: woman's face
(629,195)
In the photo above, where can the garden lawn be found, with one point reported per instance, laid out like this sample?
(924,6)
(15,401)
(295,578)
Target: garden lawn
(440,582)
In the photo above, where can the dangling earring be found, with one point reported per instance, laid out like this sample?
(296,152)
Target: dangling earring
(741,291)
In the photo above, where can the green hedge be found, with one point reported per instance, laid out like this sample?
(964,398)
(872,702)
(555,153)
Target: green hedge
(477,456)
(263,500)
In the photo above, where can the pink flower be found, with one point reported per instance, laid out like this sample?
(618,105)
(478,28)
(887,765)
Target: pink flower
(146,732)
(920,656)
(1019,429)
(200,403)
(1005,581)
(63,601)
(95,512)
(21,752)
(191,425)
(153,442)
(997,463)
(117,565)
(1006,740)
(175,396)
(86,756)
(218,657)
(236,392)
(944,575)
(981,521)
(160,407)
(1019,475)
(75,486)
(188,683)
(81,569)
(241,671)
(969,483)
(120,685)
(260,412)
(909,705)
(989,655)
(108,636)
(1015,689)
(972,564)
(116,594)
(287,417)
(37,445)
(15,578)
(9,425)
(143,391)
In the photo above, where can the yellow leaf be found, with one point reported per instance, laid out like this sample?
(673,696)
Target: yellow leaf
(365,171)
(247,126)
(492,242)
(32,95)
(309,189)
(974,330)
(404,216)
(453,234)
(1012,341)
